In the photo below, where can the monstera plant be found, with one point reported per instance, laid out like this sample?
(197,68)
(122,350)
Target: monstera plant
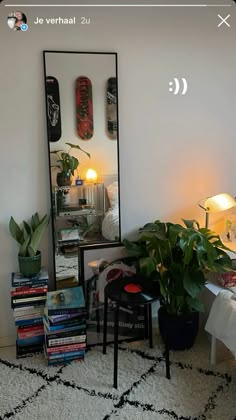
(67,164)
(28,235)
(179,256)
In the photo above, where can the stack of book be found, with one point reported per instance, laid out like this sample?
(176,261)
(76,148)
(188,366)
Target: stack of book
(65,326)
(28,297)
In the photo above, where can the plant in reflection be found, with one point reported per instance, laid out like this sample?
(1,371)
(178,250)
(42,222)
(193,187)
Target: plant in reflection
(67,164)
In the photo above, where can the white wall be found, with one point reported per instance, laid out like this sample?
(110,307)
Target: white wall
(174,150)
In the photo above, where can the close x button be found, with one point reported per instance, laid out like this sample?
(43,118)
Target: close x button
(224,21)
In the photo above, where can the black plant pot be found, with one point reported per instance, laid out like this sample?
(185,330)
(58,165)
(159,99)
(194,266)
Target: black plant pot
(181,330)
(64,179)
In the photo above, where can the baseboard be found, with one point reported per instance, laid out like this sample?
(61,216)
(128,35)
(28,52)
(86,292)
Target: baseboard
(8,341)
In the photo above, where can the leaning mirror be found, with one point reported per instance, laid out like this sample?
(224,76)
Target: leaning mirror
(82,130)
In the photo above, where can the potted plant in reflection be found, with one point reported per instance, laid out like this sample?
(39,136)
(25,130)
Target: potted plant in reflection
(28,235)
(179,258)
(67,164)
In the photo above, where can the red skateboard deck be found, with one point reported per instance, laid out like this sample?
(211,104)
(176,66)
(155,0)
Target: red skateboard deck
(84,108)
(53,109)
(112,108)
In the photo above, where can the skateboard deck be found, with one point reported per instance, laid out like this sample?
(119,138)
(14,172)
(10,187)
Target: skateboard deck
(111,97)
(84,108)
(53,109)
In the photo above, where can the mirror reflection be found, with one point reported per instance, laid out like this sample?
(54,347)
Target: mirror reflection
(82,127)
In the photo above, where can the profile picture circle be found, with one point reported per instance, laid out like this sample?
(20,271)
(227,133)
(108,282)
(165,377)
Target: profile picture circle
(17,21)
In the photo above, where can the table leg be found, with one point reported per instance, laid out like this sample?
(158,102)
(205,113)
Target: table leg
(105,325)
(116,345)
(150,325)
(213,350)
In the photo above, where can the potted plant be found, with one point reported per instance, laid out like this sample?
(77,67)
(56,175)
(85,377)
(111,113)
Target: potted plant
(179,257)
(67,164)
(28,236)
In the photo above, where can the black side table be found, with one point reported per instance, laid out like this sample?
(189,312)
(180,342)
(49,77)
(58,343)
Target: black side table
(131,291)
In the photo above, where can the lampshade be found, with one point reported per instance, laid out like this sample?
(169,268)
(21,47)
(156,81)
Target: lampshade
(219,202)
(216,203)
(91,175)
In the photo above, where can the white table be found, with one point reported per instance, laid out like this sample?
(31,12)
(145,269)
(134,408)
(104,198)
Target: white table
(214,287)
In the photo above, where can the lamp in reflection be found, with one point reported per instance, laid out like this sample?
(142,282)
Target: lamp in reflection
(91,176)
(216,203)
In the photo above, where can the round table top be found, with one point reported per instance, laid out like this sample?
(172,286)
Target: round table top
(133,291)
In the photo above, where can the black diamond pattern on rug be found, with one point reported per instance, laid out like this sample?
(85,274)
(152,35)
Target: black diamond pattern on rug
(83,390)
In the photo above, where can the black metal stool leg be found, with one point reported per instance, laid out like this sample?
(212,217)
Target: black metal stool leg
(146,332)
(105,325)
(98,320)
(116,327)
(150,325)
(167,357)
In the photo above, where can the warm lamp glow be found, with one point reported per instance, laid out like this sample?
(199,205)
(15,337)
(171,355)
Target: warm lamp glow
(91,175)
(219,202)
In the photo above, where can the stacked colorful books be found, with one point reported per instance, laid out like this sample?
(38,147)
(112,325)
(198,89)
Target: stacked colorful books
(28,297)
(65,326)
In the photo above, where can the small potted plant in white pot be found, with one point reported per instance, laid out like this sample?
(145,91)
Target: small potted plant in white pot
(29,236)
(67,164)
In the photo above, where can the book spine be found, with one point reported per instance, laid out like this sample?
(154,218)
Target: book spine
(37,304)
(71,347)
(79,353)
(79,311)
(29,350)
(61,319)
(65,334)
(67,328)
(30,340)
(29,291)
(34,321)
(28,308)
(64,361)
(28,315)
(66,340)
(29,283)
(31,334)
(31,328)
(18,299)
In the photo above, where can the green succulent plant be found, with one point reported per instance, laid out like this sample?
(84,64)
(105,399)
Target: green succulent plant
(29,234)
(179,257)
(67,163)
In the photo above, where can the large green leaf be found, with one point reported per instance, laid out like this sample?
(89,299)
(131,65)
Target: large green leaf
(27,229)
(16,231)
(147,265)
(135,249)
(194,282)
(195,304)
(174,232)
(23,251)
(191,224)
(35,221)
(76,146)
(37,236)
(157,229)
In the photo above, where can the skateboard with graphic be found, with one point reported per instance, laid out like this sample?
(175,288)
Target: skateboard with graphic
(84,107)
(111,106)
(53,109)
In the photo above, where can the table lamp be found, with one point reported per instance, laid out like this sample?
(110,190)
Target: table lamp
(216,203)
